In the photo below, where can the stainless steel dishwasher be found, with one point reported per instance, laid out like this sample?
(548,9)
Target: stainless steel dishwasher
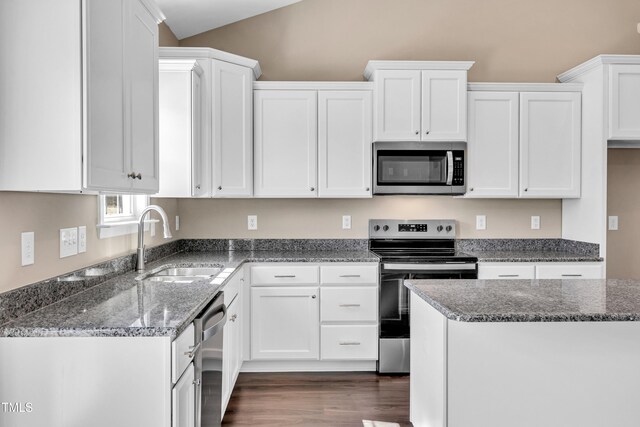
(208,362)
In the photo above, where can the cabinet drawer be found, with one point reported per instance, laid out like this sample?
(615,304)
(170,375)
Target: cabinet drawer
(575,271)
(349,274)
(488,272)
(283,274)
(181,345)
(348,304)
(339,342)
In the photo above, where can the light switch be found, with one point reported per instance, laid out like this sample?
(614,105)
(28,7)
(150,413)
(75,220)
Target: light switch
(82,239)
(28,248)
(68,242)
(346,222)
(481,222)
(613,223)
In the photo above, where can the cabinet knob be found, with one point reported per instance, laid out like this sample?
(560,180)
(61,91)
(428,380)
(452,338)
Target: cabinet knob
(131,175)
(196,382)
(366,189)
(220,187)
(427,132)
(417,132)
(313,189)
(197,187)
(234,317)
(526,189)
(139,176)
(471,189)
(313,296)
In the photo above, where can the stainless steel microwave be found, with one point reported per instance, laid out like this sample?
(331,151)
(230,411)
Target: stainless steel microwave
(419,168)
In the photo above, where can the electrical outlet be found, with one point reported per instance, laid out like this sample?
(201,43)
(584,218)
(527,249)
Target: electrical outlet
(613,223)
(535,222)
(177,222)
(28,248)
(346,222)
(68,242)
(252,222)
(82,239)
(481,222)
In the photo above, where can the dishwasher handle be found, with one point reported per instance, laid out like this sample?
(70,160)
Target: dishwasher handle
(215,329)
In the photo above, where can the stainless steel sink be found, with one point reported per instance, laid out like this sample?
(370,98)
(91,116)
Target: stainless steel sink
(85,274)
(181,275)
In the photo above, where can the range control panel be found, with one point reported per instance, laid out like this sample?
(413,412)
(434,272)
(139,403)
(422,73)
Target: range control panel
(412,229)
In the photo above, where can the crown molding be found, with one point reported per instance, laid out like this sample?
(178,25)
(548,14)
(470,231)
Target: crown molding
(525,87)
(373,66)
(593,63)
(275,85)
(209,53)
(154,10)
(180,65)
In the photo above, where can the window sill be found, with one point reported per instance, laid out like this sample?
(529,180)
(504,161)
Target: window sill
(121,228)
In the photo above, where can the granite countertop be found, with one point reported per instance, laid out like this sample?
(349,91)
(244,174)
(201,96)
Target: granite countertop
(532,256)
(125,307)
(532,300)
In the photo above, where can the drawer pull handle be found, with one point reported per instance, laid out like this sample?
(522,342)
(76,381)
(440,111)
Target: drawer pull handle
(508,275)
(234,317)
(350,275)
(349,305)
(572,275)
(349,343)
(192,351)
(281,276)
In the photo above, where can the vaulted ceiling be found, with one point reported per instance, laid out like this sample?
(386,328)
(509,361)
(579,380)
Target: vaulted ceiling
(190,17)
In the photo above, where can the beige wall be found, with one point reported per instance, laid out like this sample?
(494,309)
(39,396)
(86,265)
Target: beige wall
(322,218)
(623,245)
(526,40)
(166,36)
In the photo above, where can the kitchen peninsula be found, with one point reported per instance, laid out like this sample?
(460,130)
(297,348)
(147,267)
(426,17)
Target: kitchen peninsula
(525,352)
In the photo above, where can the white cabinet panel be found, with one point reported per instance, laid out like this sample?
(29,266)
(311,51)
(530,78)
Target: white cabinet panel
(284,274)
(492,165)
(344,143)
(349,342)
(624,98)
(232,130)
(349,304)
(349,274)
(285,143)
(181,349)
(444,105)
(397,105)
(284,323)
(505,271)
(550,142)
(570,271)
(232,352)
(184,400)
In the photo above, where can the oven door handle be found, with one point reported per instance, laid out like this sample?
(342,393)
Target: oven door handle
(449,167)
(430,267)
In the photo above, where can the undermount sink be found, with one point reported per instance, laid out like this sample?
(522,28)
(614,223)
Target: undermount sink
(181,275)
(85,274)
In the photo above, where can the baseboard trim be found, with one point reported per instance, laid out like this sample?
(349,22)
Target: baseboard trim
(308,366)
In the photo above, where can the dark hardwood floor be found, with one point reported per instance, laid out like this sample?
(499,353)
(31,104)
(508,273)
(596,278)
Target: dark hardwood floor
(318,399)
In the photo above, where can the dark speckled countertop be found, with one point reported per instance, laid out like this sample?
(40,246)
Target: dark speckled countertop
(123,306)
(533,256)
(532,300)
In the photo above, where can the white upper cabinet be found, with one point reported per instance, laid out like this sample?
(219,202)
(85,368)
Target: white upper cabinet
(181,129)
(444,105)
(492,165)
(419,100)
(397,105)
(95,107)
(232,130)
(550,142)
(344,143)
(624,102)
(285,143)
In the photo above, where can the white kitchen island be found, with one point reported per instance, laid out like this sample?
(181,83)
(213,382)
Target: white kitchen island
(525,353)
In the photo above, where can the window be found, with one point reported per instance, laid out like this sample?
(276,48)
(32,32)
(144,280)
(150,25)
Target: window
(118,214)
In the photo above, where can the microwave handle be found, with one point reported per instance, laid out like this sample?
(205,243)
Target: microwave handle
(449,167)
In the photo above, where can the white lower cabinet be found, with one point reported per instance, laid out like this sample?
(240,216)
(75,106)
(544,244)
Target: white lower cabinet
(553,270)
(232,350)
(347,342)
(285,323)
(184,400)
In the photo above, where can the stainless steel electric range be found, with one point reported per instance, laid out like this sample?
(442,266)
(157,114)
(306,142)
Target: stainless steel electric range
(410,249)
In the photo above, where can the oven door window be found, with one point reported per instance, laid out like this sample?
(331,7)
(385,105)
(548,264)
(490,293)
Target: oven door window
(394,306)
(412,168)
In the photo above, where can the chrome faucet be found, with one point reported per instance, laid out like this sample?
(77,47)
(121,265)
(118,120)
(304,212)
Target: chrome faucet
(165,225)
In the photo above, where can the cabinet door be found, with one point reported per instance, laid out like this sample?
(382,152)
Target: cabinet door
(624,96)
(344,143)
(197,161)
(232,130)
(492,166)
(550,140)
(397,105)
(141,89)
(232,352)
(184,400)
(285,143)
(444,105)
(285,323)
(107,159)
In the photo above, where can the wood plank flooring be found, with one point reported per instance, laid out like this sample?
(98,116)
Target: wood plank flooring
(318,399)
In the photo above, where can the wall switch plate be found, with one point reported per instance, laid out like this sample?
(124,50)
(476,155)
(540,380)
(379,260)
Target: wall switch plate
(28,248)
(535,222)
(481,222)
(346,222)
(82,239)
(177,222)
(153,229)
(613,222)
(252,222)
(68,242)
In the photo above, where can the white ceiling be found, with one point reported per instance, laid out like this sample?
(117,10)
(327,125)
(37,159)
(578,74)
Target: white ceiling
(189,17)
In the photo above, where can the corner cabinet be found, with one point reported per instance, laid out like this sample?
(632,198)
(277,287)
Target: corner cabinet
(524,144)
(419,100)
(312,139)
(96,107)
